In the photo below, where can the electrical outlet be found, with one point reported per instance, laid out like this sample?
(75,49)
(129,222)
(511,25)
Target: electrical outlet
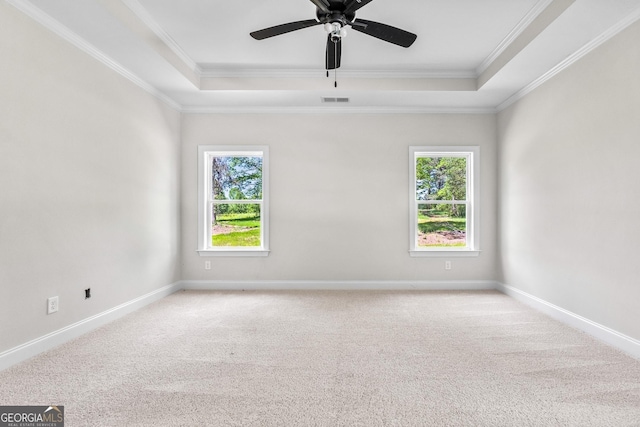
(52,305)
(447,265)
(207,265)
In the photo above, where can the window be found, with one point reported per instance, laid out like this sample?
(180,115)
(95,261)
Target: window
(443,199)
(233,209)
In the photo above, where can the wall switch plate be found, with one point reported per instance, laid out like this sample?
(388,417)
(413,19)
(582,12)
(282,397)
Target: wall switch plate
(52,305)
(447,265)
(207,265)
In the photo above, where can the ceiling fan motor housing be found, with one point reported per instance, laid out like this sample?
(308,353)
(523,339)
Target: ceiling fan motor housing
(336,16)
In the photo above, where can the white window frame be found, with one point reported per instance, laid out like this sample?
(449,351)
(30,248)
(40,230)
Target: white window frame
(472,153)
(205,153)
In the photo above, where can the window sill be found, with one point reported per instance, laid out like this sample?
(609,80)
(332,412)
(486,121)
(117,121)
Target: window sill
(234,252)
(444,253)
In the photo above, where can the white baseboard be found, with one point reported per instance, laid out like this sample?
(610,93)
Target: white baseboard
(391,285)
(29,349)
(607,335)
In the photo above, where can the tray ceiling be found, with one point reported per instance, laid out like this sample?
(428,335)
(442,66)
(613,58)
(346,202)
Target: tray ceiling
(470,56)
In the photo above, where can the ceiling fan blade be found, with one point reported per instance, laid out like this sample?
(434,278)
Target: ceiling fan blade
(283,28)
(323,5)
(353,5)
(334,52)
(386,32)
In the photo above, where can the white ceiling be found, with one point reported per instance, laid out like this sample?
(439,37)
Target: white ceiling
(470,55)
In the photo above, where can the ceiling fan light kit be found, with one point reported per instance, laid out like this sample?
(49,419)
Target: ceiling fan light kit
(336,16)
(335,30)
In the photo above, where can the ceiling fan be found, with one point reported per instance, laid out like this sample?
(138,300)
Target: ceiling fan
(336,16)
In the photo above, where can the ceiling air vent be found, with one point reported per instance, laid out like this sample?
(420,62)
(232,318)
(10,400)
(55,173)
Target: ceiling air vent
(331,100)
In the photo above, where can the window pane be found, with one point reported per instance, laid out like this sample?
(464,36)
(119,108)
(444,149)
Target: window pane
(235,224)
(236,178)
(441,178)
(442,225)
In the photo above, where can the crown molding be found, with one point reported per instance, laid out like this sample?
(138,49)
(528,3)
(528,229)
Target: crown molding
(572,59)
(153,25)
(208,71)
(66,34)
(329,109)
(513,34)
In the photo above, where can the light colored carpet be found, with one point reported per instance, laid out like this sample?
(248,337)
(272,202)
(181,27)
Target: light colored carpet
(342,358)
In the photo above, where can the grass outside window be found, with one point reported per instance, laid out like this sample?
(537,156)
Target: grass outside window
(236,229)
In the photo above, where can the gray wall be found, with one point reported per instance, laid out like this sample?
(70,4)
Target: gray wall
(91,169)
(89,184)
(339,195)
(569,204)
